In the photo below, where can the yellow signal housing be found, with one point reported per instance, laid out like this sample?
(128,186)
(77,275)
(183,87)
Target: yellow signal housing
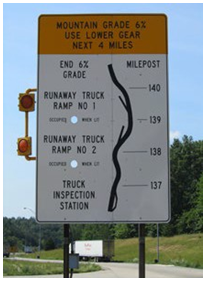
(24,146)
(26,102)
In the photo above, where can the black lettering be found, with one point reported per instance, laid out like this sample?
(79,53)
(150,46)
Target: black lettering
(100,35)
(66,64)
(93,94)
(81,149)
(74,74)
(143,64)
(58,139)
(116,24)
(72,184)
(82,105)
(87,163)
(82,45)
(93,139)
(61,149)
(61,205)
(120,44)
(62,105)
(74,205)
(72,35)
(77,25)
(129,34)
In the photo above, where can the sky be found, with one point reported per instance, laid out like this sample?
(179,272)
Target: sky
(185,41)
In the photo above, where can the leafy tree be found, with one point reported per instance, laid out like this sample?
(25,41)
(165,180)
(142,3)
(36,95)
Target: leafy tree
(97,232)
(192,220)
(49,244)
(186,168)
(124,231)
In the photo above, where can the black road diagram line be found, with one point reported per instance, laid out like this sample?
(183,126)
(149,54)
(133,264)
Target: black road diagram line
(113,200)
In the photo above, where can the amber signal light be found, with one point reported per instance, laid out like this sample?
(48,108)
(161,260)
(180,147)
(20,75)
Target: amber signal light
(24,146)
(26,102)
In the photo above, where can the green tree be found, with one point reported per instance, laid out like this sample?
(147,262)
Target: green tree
(186,163)
(124,231)
(97,232)
(49,244)
(192,220)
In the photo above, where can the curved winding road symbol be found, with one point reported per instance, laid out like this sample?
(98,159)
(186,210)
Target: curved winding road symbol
(113,200)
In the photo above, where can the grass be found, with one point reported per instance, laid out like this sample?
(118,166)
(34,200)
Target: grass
(19,268)
(182,250)
(56,254)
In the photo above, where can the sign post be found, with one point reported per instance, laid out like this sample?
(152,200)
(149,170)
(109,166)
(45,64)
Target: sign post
(66,228)
(141,228)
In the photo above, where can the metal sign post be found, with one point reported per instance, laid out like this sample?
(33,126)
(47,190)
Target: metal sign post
(158,244)
(141,251)
(66,251)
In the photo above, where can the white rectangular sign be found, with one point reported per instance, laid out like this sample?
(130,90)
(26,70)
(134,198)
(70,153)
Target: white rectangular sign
(102,138)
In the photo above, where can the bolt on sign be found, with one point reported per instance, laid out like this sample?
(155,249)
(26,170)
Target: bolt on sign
(102,134)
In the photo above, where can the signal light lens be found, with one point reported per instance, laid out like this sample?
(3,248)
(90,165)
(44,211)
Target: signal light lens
(23,145)
(27,101)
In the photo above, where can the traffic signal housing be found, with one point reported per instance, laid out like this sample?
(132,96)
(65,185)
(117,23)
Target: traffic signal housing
(24,146)
(26,105)
(26,102)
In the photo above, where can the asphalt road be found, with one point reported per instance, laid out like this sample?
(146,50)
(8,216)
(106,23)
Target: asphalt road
(130,270)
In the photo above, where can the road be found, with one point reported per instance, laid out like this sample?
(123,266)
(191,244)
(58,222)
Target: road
(129,270)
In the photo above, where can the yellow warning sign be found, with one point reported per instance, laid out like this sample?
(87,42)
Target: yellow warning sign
(103,34)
